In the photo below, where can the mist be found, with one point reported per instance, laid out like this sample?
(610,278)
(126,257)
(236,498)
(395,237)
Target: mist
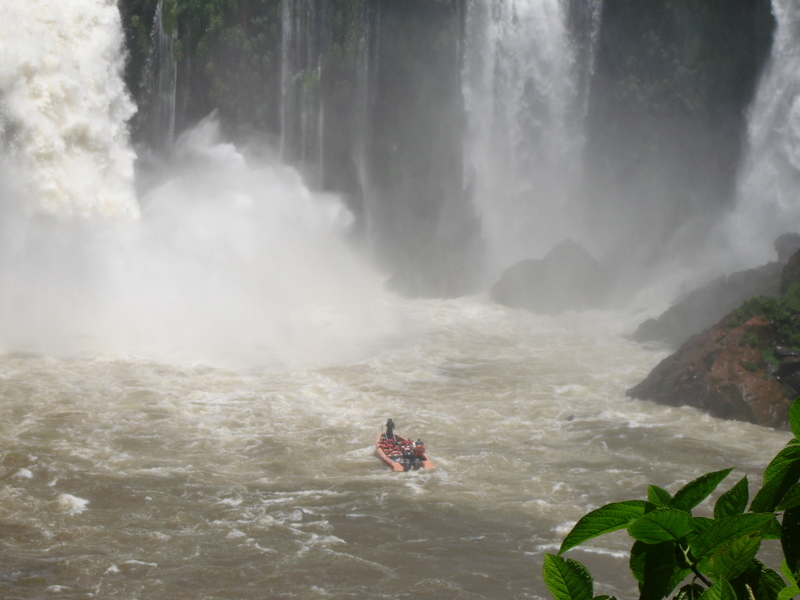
(236,238)
(451,158)
(228,257)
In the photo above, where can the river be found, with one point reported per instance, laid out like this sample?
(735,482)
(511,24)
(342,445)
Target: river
(124,477)
(192,379)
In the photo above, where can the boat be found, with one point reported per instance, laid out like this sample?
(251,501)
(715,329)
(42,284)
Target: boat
(399,453)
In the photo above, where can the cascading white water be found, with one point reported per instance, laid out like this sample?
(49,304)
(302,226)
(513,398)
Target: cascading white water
(131,469)
(769,182)
(64,107)
(366,74)
(233,261)
(164,80)
(525,110)
(302,108)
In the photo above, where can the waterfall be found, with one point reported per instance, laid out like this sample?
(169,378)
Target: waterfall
(164,75)
(769,180)
(64,107)
(366,75)
(302,109)
(525,93)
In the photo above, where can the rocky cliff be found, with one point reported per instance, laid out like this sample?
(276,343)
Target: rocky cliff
(746,367)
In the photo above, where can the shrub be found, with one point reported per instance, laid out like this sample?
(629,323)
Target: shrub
(702,558)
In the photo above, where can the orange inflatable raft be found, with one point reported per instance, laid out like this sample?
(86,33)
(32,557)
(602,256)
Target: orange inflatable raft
(399,453)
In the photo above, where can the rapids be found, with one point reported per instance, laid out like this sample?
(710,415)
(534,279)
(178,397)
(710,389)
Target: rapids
(190,391)
(124,477)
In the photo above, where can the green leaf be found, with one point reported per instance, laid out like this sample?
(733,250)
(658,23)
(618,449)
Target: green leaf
(791,498)
(790,540)
(734,501)
(727,529)
(787,572)
(567,579)
(788,454)
(656,569)
(721,590)
(661,525)
(605,519)
(780,475)
(765,583)
(694,492)
(691,591)
(788,592)
(794,418)
(658,496)
(733,557)
(701,524)
(773,532)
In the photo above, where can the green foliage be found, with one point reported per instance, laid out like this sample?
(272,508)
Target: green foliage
(734,501)
(606,519)
(169,15)
(718,554)
(568,579)
(768,354)
(783,314)
(794,419)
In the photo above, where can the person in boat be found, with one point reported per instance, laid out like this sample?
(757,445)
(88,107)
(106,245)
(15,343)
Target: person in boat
(390,430)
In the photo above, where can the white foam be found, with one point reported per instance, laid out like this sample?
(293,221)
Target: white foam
(71,504)
(63,98)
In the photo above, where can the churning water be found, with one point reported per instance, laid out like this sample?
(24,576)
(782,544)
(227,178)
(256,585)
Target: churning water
(189,397)
(130,478)
(65,107)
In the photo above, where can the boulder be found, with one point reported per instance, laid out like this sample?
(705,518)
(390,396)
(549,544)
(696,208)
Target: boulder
(724,371)
(790,276)
(706,305)
(568,278)
(787,245)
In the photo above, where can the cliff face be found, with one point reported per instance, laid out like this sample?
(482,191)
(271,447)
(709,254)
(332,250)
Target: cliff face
(723,372)
(365,97)
(746,367)
(362,96)
(667,108)
(705,306)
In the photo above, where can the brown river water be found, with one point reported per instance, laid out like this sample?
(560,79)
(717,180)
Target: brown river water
(124,477)
(192,381)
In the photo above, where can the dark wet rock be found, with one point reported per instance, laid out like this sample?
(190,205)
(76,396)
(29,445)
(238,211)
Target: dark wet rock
(724,371)
(790,276)
(785,352)
(787,245)
(706,305)
(568,278)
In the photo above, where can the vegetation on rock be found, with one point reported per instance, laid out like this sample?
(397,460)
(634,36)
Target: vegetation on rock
(746,367)
(783,314)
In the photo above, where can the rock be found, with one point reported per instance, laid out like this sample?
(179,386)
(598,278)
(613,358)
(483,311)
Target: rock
(790,276)
(706,305)
(787,245)
(723,371)
(568,278)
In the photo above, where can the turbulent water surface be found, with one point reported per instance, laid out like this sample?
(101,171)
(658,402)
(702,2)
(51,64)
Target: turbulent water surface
(129,478)
(190,391)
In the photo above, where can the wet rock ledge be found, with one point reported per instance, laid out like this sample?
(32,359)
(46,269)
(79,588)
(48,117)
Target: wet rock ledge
(746,367)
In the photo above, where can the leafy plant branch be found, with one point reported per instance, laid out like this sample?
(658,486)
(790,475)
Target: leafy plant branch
(718,555)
